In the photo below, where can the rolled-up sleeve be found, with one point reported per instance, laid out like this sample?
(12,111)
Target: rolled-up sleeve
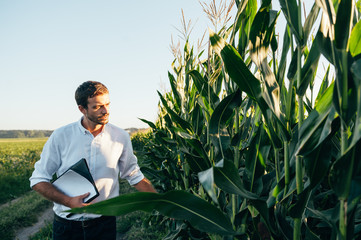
(129,168)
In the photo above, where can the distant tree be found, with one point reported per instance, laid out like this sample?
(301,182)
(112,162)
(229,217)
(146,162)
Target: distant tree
(25,133)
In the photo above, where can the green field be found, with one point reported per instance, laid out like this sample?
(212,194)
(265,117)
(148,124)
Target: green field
(17,158)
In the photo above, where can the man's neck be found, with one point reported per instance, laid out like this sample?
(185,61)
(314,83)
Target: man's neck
(93,128)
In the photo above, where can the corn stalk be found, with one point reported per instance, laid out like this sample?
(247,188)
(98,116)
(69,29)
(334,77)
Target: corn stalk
(234,139)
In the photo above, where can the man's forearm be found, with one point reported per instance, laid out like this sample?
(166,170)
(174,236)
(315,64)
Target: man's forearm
(145,186)
(51,193)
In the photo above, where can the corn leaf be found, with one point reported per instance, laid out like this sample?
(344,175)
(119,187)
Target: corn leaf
(203,87)
(219,119)
(152,125)
(175,204)
(296,210)
(262,31)
(247,82)
(318,161)
(290,11)
(206,178)
(175,117)
(330,216)
(310,20)
(177,96)
(197,146)
(197,119)
(313,130)
(324,85)
(355,40)
(283,60)
(227,178)
(343,23)
(356,71)
(309,68)
(292,69)
(236,68)
(252,160)
(341,172)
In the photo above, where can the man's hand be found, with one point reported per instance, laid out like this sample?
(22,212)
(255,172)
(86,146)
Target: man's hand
(78,201)
(53,194)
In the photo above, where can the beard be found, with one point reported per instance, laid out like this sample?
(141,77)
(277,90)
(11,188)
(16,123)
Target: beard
(101,120)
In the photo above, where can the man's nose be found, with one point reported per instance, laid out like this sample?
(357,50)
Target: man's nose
(105,109)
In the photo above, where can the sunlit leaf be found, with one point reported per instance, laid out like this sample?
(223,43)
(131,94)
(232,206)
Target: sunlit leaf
(262,31)
(175,204)
(247,82)
(355,40)
(236,68)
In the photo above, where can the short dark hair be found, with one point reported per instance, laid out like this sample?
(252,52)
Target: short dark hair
(87,90)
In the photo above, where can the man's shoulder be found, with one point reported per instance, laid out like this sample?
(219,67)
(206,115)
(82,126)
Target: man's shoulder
(116,130)
(66,129)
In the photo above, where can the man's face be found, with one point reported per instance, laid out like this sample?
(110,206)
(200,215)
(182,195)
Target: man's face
(98,109)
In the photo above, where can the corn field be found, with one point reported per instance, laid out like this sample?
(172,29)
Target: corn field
(245,146)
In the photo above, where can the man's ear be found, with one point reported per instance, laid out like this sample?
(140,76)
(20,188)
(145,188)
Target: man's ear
(82,109)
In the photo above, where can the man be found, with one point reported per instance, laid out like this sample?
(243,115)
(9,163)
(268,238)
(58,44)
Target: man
(109,155)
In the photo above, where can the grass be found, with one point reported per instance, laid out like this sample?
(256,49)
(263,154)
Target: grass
(17,158)
(44,234)
(136,226)
(21,213)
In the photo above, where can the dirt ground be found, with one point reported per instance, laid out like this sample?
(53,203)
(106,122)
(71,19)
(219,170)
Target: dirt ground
(25,233)
(46,217)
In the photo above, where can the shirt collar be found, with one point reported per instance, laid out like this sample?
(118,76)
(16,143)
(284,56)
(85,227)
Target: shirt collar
(81,128)
(86,131)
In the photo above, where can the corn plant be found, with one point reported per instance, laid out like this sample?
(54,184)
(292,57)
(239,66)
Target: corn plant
(240,150)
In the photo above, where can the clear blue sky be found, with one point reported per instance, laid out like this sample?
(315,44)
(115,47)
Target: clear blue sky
(48,48)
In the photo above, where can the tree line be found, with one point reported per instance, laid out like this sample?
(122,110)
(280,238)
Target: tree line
(44,133)
(24,133)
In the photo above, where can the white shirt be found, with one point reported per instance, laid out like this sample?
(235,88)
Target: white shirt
(109,155)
